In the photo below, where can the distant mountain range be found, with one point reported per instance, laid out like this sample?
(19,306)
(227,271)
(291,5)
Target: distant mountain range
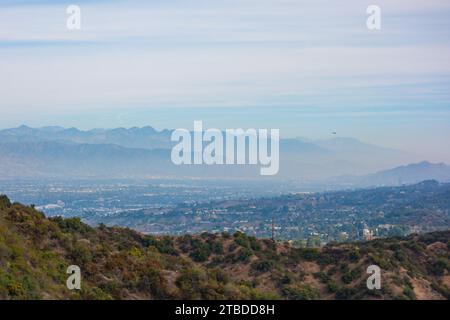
(407,174)
(144,138)
(410,174)
(57,152)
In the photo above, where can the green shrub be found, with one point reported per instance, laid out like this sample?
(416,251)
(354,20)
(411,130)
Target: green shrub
(439,267)
(262,266)
(217,247)
(409,292)
(241,239)
(351,275)
(345,293)
(164,245)
(4,202)
(309,254)
(200,254)
(243,255)
(80,254)
(152,281)
(332,286)
(190,282)
(354,255)
(300,292)
(71,225)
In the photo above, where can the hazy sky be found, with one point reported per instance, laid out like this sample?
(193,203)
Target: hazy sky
(306,67)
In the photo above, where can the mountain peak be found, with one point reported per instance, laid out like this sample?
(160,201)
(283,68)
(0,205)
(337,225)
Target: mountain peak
(424,165)
(52,129)
(411,173)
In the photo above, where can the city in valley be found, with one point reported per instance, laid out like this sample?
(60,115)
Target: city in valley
(304,218)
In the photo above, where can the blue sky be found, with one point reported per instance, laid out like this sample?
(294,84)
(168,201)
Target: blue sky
(306,67)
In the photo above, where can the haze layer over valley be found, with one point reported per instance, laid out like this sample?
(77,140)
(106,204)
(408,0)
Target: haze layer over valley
(142,153)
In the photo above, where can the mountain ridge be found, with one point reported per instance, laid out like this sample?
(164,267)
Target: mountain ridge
(300,159)
(401,175)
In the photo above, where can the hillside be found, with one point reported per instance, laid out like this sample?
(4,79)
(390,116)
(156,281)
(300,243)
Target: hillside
(118,263)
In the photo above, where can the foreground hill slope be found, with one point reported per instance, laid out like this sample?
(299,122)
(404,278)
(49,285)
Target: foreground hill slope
(118,263)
